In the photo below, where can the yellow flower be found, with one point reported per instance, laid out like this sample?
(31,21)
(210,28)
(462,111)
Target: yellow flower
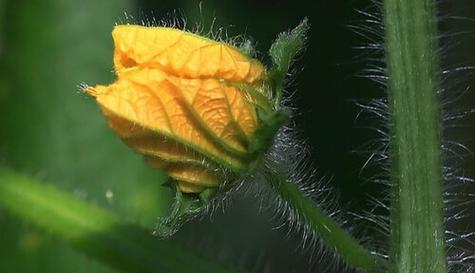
(191,105)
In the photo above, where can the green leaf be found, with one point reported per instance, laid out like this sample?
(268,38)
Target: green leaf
(96,232)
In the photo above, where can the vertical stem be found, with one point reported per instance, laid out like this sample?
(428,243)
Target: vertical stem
(418,243)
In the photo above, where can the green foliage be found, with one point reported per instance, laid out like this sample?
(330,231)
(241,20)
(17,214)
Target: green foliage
(311,217)
(52,131)
(283,52)
(96,232)
(185,207)
(287,46)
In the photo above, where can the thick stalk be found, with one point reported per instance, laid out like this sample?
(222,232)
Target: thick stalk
(96,232)
(418,243)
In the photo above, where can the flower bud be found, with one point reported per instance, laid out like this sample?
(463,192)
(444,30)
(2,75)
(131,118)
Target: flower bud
(192,106)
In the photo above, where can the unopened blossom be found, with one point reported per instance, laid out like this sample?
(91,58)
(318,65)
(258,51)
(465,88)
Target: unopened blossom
(190,105)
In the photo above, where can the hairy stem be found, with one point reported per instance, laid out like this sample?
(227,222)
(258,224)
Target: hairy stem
(330,232)
(96,232)
(282,52)
(418,243)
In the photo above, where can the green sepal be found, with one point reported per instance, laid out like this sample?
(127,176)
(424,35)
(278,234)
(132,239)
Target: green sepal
(287,46)
(282,53)
(207,195)
(168,183)
(185,207)
(270,123)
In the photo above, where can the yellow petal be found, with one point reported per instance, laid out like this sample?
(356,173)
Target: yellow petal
(221,109)
(194,174)
(158,106)
(190,178)
(189,187)
(157,163)
(182,54)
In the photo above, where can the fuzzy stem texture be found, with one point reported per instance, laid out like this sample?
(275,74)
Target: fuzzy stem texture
(96,232)
(329,231)
(418,243)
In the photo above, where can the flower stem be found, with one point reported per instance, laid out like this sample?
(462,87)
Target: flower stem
(418,243)
(94,231)
(329,231)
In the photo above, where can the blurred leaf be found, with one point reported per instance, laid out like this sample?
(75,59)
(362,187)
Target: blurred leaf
(96,232)
(49,129)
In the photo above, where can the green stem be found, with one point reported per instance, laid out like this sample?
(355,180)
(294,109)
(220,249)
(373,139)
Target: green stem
(282,53)
(94,231)
(329,231)
(418,243)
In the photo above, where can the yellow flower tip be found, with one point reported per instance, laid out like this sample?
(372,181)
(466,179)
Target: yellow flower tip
(94,91)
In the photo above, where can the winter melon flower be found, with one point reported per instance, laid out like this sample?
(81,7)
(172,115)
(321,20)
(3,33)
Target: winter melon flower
(192,106)
(202,111)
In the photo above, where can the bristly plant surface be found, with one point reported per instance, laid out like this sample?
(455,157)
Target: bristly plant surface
(417,229)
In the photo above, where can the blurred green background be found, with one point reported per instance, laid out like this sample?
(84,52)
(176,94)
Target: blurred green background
(51,131)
